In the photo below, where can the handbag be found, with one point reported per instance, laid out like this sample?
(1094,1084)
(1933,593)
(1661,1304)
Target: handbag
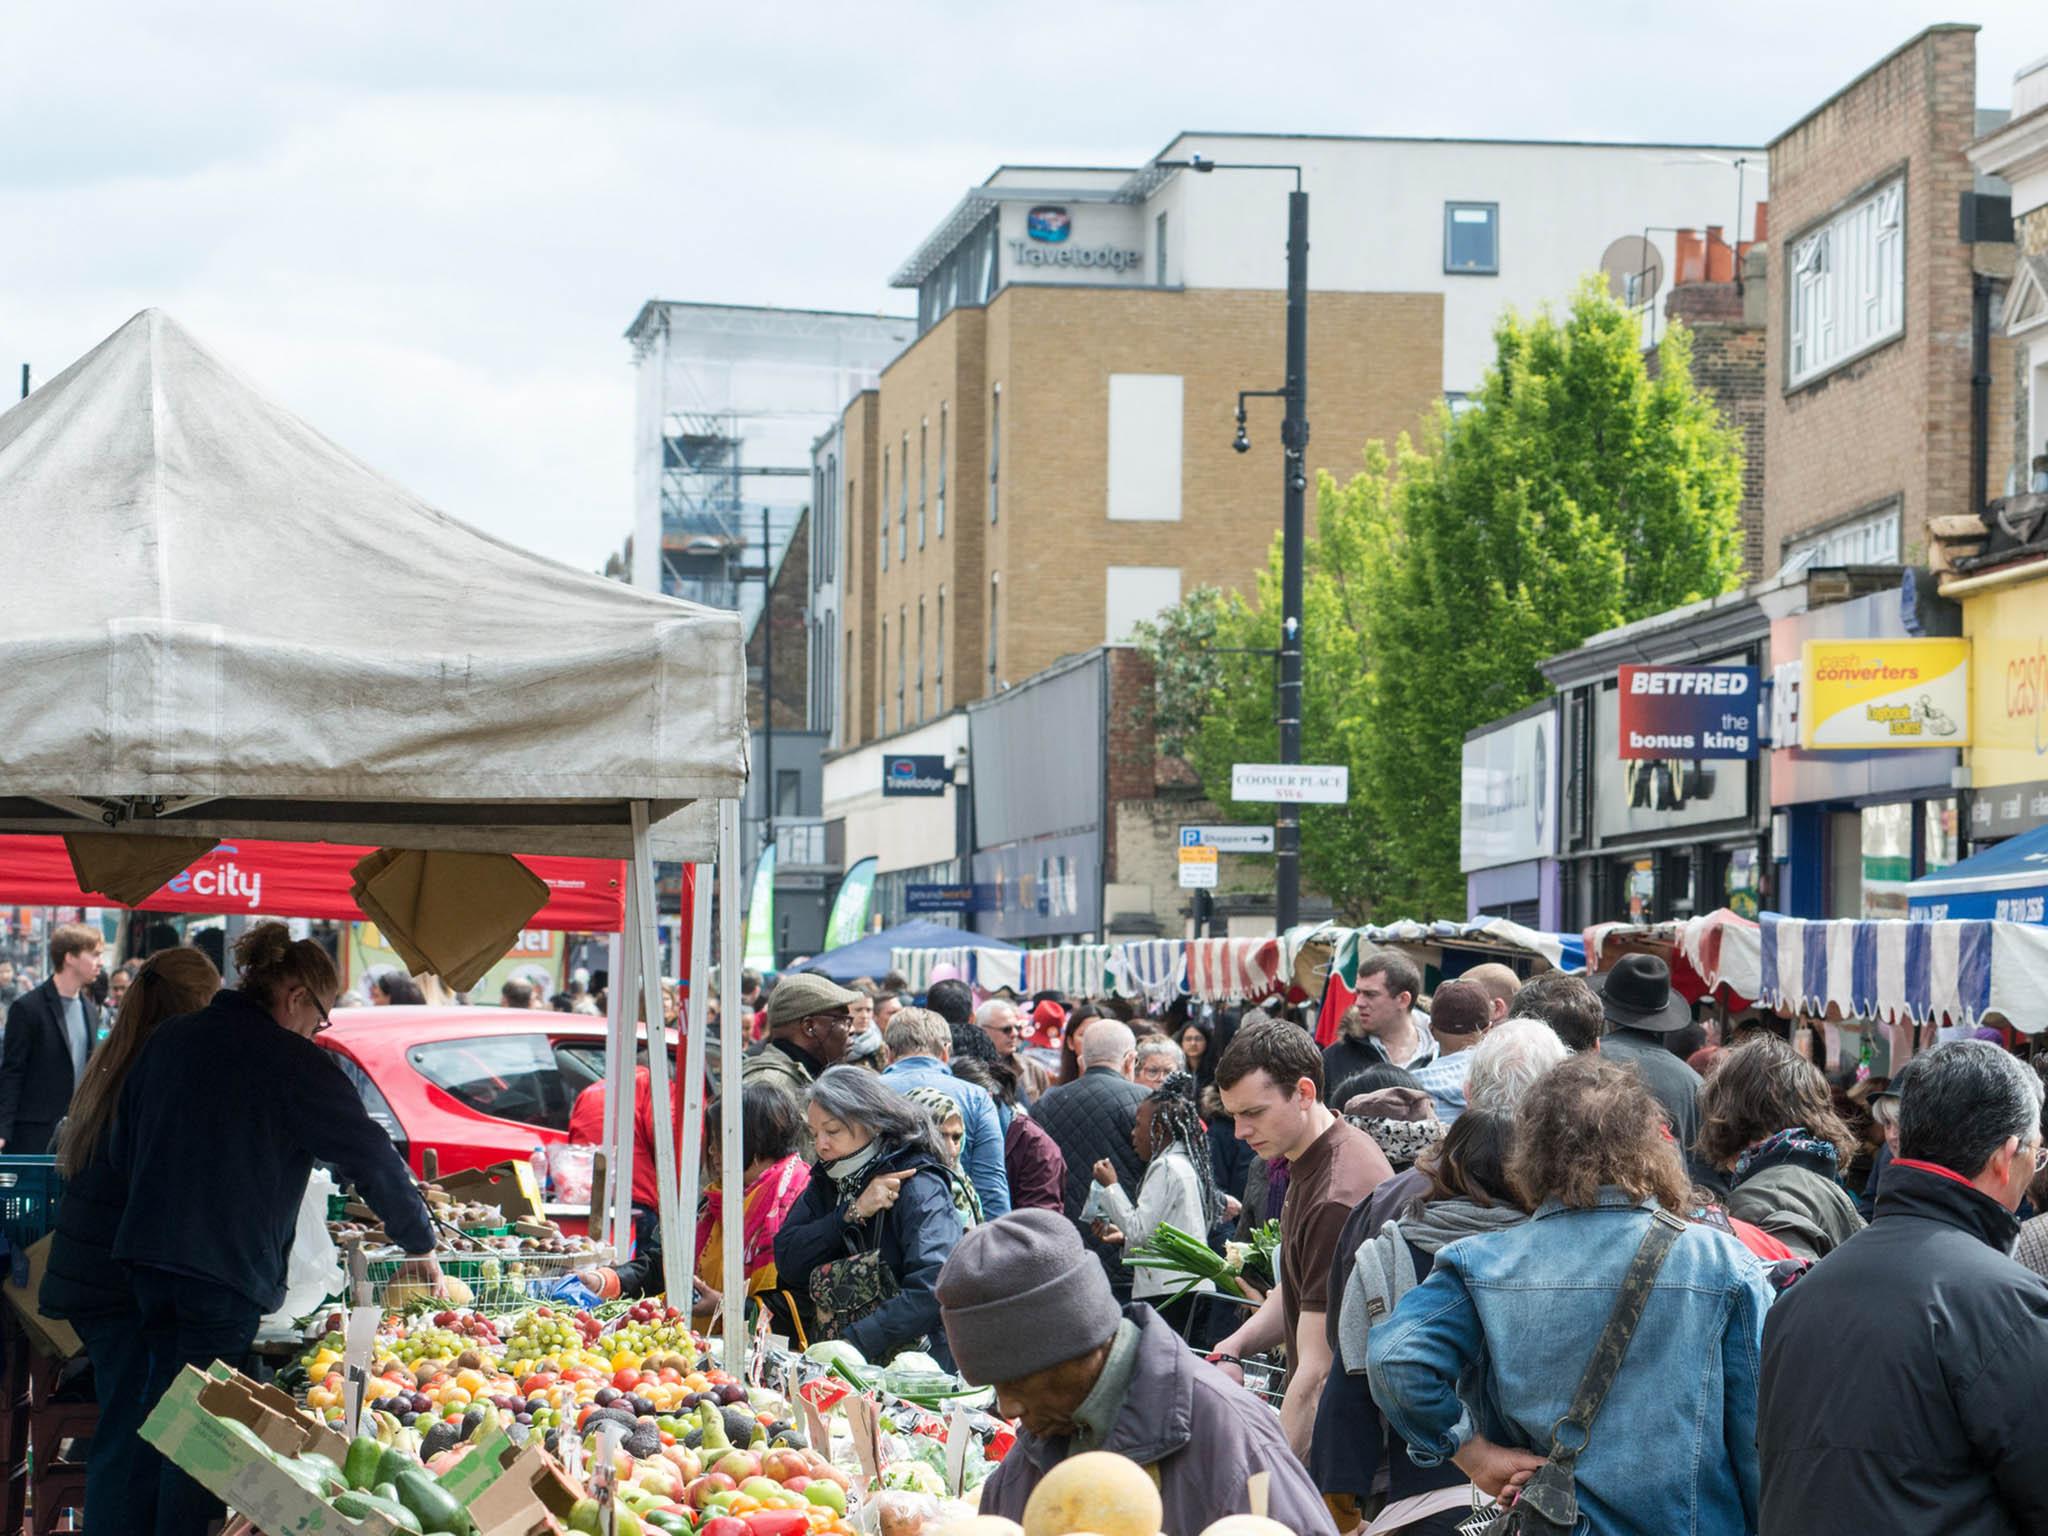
(846,1290)
(1549,1503)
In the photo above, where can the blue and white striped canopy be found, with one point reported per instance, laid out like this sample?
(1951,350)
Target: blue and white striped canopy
(1895,970)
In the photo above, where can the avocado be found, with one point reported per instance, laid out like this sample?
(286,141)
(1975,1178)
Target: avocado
(442,1437)
(643,1443)
(473,1421)
(740,1426)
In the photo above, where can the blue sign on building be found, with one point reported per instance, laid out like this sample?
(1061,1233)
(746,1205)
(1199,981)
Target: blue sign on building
(915,775)
(949,898)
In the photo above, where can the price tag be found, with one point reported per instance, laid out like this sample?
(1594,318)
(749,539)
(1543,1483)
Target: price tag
(816,1427)
(604,1476)
(360,1338)
(865,1422)
(957,1437)
(789,1385)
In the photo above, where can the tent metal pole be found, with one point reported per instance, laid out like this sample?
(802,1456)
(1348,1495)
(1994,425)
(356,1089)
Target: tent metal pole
(618,1091)
(699,976)
(675,1259)
(732,1042)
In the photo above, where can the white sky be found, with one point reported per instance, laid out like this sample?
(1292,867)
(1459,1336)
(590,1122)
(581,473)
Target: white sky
(424,227)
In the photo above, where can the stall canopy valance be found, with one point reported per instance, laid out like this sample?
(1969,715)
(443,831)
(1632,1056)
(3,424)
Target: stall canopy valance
(224,625)
(2007,882)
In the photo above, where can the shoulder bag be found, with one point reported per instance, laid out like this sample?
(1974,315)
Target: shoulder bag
(1549,1504)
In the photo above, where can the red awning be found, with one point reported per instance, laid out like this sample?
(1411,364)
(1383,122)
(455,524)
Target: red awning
(298,880)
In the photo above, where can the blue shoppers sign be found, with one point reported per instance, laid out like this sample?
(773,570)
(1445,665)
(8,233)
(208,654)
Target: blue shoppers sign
(915,775)
(949,898)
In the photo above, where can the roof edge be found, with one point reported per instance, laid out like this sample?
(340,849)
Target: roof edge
(1907,46)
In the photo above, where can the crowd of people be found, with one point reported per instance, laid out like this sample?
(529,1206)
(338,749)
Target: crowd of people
(1543,1247)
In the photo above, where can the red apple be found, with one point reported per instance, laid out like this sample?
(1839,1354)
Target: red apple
(738,1465)
(796,1484)
(701,1488)
(724,1525)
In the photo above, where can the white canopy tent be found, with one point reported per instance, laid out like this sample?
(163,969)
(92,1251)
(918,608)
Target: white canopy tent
(225,626)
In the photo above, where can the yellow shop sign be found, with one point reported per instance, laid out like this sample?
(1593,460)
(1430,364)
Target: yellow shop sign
(2008,627)
(1884,693)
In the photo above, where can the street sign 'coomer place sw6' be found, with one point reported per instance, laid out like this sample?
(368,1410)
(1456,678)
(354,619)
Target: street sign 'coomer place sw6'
(1290,783)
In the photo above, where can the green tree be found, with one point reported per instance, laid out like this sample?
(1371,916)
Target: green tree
(1576,492)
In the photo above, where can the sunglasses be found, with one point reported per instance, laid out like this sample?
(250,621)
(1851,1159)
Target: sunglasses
(1012,1030)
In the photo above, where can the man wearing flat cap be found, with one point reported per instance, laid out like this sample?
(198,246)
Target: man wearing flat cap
(809,1019)
(1029,1311)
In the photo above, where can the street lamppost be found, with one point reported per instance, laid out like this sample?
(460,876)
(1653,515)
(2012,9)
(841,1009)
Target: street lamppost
(1294,483)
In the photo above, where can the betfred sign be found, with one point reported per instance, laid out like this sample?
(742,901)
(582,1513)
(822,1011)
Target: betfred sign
(1688,713)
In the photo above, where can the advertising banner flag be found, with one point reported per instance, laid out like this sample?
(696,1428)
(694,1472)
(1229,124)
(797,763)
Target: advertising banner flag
(849,919)
(1867,694)
(1688,714)
(758,951)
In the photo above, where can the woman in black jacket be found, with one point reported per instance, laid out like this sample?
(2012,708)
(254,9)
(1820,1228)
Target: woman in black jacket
(83,1285)
(220,1122)
(880,1187)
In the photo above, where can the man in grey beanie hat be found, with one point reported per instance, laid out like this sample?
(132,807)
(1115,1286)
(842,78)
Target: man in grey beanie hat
(1028,1310)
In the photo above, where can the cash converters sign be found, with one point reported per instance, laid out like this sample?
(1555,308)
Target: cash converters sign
(1867,694)
(1686,714)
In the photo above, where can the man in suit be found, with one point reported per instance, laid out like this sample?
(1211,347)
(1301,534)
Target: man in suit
(50,1034)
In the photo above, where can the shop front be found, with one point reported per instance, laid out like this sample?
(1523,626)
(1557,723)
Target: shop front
(1853,824)
(2005,614)
(1661,812)
(1507,820)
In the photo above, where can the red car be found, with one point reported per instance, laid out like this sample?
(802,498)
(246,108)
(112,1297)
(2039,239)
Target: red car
(478,1085)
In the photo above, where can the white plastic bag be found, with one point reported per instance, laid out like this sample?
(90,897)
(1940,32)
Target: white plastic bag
(313,1270)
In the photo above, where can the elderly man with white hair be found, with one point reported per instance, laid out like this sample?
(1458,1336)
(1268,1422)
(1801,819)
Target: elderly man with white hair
(1006,1028)
(1091,1119)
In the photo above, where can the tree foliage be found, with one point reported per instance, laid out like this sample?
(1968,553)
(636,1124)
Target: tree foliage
(1575,493)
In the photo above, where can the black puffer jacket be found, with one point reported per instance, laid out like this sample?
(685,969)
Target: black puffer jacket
(1091,1118)
(1927,1422)
(82,1280)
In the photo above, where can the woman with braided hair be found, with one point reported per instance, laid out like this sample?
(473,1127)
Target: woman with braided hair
(1178,1189)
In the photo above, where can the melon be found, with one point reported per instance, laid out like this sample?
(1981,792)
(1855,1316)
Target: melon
(982,1525)
(1097,1492)
(1246,1525)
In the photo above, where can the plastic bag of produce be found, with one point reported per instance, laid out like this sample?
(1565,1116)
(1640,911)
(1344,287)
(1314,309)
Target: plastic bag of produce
(570,1167)
(897,1512)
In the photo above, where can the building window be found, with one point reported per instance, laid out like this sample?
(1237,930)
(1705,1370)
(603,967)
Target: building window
(995,454)
(1472,238)
(1144,447)
(920,661)
(852,503)
(1135,594)
(789,792)
(940,505)
(847,716)
(939,655)
(885,510)
(902,663)
(1847,292)
(882,682)
(995,593)
(1159,250)
(923,476)
(1871,539)
(903,501)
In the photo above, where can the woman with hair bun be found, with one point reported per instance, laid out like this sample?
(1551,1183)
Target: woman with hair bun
(218,1126)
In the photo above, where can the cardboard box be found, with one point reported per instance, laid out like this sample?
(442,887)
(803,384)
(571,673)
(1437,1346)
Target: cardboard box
(50,1335)
(511,1490)
(190,1428)
(508,1185)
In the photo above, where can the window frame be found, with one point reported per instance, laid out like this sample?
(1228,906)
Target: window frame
(885,509)
(1451,212)
(995,457)
(1815,258)
(939,503)
(902,661)
(924,427)
(920,659)
(903,502)
(939,655)
(995,603)
(540,1045)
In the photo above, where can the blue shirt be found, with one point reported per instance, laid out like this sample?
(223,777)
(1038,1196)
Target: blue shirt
(981,1154)
(1444,1081)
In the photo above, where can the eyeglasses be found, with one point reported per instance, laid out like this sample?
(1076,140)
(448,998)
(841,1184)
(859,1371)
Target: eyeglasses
(323,1010)
(1012,1030)
(2040,1155)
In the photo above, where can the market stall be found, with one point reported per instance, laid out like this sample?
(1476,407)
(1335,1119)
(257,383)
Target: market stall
(2007,882)
(887,949)
(229,628)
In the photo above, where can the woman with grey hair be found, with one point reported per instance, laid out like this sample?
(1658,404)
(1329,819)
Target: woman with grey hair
(866,1241)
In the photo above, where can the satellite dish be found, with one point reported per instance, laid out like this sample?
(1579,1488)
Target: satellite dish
(1633,269)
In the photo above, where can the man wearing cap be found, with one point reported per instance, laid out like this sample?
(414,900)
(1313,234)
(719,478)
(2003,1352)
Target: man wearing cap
(1028,1311)
(808,1021)
(1641,1010)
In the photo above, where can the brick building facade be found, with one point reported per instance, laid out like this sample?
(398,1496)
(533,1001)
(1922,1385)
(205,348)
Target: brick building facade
(986,456)
(1868,404)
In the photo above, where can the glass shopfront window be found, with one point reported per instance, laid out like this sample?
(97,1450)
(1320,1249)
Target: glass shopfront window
(1887,858)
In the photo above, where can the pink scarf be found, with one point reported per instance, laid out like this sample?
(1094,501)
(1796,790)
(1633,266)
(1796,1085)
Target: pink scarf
(768,1199)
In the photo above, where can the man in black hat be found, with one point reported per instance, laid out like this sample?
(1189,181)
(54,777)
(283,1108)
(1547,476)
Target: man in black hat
(1641,1011)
